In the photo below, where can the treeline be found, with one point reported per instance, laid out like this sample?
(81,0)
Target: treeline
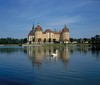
(92,40)
(96,42)
(80,40)
(12,41)
(96,39)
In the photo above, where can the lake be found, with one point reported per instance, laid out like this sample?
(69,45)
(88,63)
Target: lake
(36,66)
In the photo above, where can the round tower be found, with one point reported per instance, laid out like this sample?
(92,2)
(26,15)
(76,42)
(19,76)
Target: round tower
(38,33)
(31,36)
(65,34)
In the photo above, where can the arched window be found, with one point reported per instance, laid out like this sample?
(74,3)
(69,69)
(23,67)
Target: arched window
(44,40)
(49,40)
(33,39)
(39,40)
(54,40)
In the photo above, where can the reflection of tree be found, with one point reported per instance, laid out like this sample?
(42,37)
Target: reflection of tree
(9,50)
(96,53)
(79,49)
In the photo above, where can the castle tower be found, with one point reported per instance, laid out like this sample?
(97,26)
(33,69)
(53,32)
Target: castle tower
(65,34)
(37,36)
(31,36)
(33,27)
(38,33)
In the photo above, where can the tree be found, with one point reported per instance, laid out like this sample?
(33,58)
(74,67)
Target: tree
(71,40)
(25,40)
(84,40)
(12,41)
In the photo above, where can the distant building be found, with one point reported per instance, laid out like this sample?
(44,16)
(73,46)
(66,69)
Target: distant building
(37,35)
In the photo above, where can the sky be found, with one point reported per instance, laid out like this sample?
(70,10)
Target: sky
(82,17)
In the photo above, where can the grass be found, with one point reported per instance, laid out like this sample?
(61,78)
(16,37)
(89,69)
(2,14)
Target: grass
(54,45)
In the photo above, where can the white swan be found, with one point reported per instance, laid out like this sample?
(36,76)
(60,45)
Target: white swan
(55,54)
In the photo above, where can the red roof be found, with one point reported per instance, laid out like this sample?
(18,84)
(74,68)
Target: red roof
(48,30)
(31,33)
(65,29)
(38,28)
(56,33)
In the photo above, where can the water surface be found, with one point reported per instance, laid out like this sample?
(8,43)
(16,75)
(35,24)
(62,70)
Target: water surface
(36,66)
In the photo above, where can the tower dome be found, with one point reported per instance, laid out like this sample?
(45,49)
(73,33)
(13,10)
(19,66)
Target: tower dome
(38,28)
(48,30)
(65,29)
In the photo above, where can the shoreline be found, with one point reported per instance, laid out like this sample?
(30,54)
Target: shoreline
(69,44)
(10,45)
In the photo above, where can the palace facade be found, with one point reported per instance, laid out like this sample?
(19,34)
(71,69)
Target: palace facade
(37,35)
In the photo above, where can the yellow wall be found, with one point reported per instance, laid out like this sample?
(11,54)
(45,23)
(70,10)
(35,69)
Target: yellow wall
(47,36)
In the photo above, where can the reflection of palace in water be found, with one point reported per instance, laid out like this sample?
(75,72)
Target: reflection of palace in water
(38,54)
(64,54)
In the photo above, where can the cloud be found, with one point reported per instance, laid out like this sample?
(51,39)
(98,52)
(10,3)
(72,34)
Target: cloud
(64,20)
(81,4)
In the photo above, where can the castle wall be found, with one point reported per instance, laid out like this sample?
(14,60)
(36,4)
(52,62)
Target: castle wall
(65,36)
(57,36)
(48,35)
(38,35)
(30,38)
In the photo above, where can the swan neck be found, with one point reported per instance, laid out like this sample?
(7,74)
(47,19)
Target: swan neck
(56,51)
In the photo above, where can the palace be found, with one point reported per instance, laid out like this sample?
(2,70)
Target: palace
(37,35)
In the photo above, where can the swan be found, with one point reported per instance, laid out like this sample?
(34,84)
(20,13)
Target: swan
(54,54)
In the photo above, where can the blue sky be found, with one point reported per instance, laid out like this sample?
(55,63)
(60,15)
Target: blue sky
(82,17)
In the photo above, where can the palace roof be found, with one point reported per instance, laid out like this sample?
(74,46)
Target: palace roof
(48,30)
(65,29)
(31,33)
(38,28)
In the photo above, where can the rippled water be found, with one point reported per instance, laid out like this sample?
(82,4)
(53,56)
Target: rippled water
(36,66)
